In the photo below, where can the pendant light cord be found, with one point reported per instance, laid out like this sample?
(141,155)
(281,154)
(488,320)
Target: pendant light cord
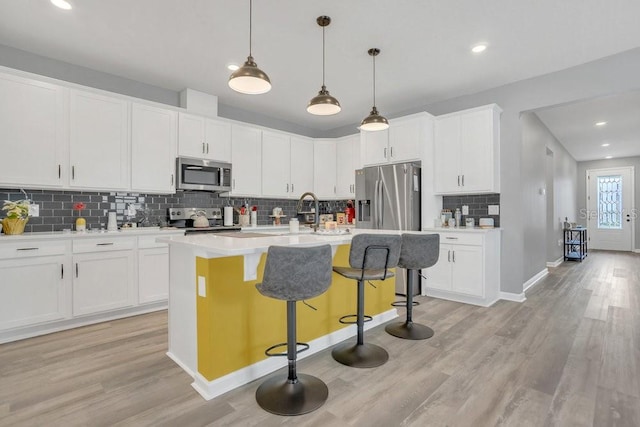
(374,81)
(323,56)
(250,23)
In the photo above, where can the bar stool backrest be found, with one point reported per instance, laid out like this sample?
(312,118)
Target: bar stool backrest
(419,251)
(294,274)
(375,251)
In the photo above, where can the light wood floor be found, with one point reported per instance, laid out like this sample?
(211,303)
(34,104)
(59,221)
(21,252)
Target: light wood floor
(568,356)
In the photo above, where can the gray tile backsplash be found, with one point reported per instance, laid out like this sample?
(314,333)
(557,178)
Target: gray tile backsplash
(56,207)
(477,205)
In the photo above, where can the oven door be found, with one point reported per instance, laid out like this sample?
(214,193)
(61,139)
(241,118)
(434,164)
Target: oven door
(205,175)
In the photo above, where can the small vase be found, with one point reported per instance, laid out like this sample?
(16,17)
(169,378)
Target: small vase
(81,224)
(14,225)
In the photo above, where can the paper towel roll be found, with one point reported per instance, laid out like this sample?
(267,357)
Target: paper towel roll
(228,216)
(112,223)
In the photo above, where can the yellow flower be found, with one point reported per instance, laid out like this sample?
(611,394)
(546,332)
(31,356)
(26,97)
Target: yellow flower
(17,209)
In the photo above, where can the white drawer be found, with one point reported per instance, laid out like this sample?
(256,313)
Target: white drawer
(33,248)
(145,242)
(103,244)
(461,238)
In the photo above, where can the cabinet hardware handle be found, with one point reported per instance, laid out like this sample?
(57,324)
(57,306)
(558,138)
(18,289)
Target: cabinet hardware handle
(104,244)
(207,148)
(454,256)
(62,271)
(458,180)
(463,180)
(203,148)
(172,179)
(76,270)
(334,189)
(392,152)
(448,256)
(385,153)
(59,171)
(292,187)
(287,187)
(27,249)
(451,238)
(234,183)
(73,172)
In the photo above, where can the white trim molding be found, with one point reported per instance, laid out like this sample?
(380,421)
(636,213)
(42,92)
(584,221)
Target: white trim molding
(508,296)
(555,263)
(534,280)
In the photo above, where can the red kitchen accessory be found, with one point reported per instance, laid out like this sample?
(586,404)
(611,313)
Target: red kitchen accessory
(350,212)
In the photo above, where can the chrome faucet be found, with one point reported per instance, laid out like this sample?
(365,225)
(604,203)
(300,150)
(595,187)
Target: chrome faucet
(316,224)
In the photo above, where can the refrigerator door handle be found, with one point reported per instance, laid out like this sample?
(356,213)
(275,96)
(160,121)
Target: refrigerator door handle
(374,220)
(380,201)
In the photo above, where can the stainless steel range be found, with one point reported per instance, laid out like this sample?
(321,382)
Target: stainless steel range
(199,220)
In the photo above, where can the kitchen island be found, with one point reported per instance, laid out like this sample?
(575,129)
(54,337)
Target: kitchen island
(220,325)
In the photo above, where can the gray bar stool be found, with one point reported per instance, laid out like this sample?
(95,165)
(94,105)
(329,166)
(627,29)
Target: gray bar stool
(418,251)
(294,274)
(370,257)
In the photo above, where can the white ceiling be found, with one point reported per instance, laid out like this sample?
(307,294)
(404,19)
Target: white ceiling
(574,126)
(425,45)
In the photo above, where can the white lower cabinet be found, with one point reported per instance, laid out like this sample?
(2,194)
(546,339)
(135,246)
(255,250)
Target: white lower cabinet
(153,270)
(468,269)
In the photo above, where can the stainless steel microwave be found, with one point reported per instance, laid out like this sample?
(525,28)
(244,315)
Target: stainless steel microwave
(204,175)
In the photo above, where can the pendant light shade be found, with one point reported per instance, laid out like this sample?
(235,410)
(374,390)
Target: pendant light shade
(374,121)
(250,79)
(323,104)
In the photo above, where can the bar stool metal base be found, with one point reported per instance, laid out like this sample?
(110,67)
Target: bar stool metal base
(409,330)
(281,397)
(360,356)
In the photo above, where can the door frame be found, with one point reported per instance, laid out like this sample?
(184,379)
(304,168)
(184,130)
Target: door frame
(633,201)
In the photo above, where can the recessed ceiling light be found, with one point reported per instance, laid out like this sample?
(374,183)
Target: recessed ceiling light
(479,48)
(608,157)
(606,145)
(233,67)
(601,123)
(62,4)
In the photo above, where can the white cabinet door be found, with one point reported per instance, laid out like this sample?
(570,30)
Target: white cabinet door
(34,133)
(324,168)
(447,155)
(347,149)
(467,271)
(153,275)
(246,155)
(375,147)
(99,141)
(191,136)
(153,149)
(276,160)
(439,276)
(103,281)
(34,290)
(476,159)
(301,166)
(217,140)
(406,139)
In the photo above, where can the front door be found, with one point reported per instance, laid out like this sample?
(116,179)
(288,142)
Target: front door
(610,208)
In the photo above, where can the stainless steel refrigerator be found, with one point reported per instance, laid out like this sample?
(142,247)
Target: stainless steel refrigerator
(388,198)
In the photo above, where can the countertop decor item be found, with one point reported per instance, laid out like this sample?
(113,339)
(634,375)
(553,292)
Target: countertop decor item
(323,104)
(250,79)
(81,223)
(374,121)
(17,216)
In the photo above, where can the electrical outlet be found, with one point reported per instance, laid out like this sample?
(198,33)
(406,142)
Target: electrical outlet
(465,210)
(494,209)
(202,286)
(559,242)
(34,210)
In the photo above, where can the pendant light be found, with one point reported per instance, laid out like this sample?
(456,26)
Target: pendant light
(323,104)
(250,79)
(374,121)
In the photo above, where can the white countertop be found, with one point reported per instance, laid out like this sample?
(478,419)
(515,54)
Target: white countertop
(460,229)
(143,231)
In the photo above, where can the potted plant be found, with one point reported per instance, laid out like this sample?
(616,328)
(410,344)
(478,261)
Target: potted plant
(17,216)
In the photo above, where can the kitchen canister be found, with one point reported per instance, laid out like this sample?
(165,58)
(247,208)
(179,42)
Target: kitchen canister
(112,222)
(228,216)
(294,225)
(254,218)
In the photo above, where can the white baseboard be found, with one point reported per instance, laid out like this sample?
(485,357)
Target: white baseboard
(637,251)
(556,263)
(210,389)
(534,280)
(508,296)
(180,363)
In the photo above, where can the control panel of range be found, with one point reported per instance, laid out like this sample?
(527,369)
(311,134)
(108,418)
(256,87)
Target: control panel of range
(191,213)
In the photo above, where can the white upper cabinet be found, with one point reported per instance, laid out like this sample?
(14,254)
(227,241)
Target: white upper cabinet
(99,141)
(405,140)
(467,151)
(276,160)
(204,138)
(347,161)
(34,124)
(246,155)
(153,149)
(324,168)
(301,166)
